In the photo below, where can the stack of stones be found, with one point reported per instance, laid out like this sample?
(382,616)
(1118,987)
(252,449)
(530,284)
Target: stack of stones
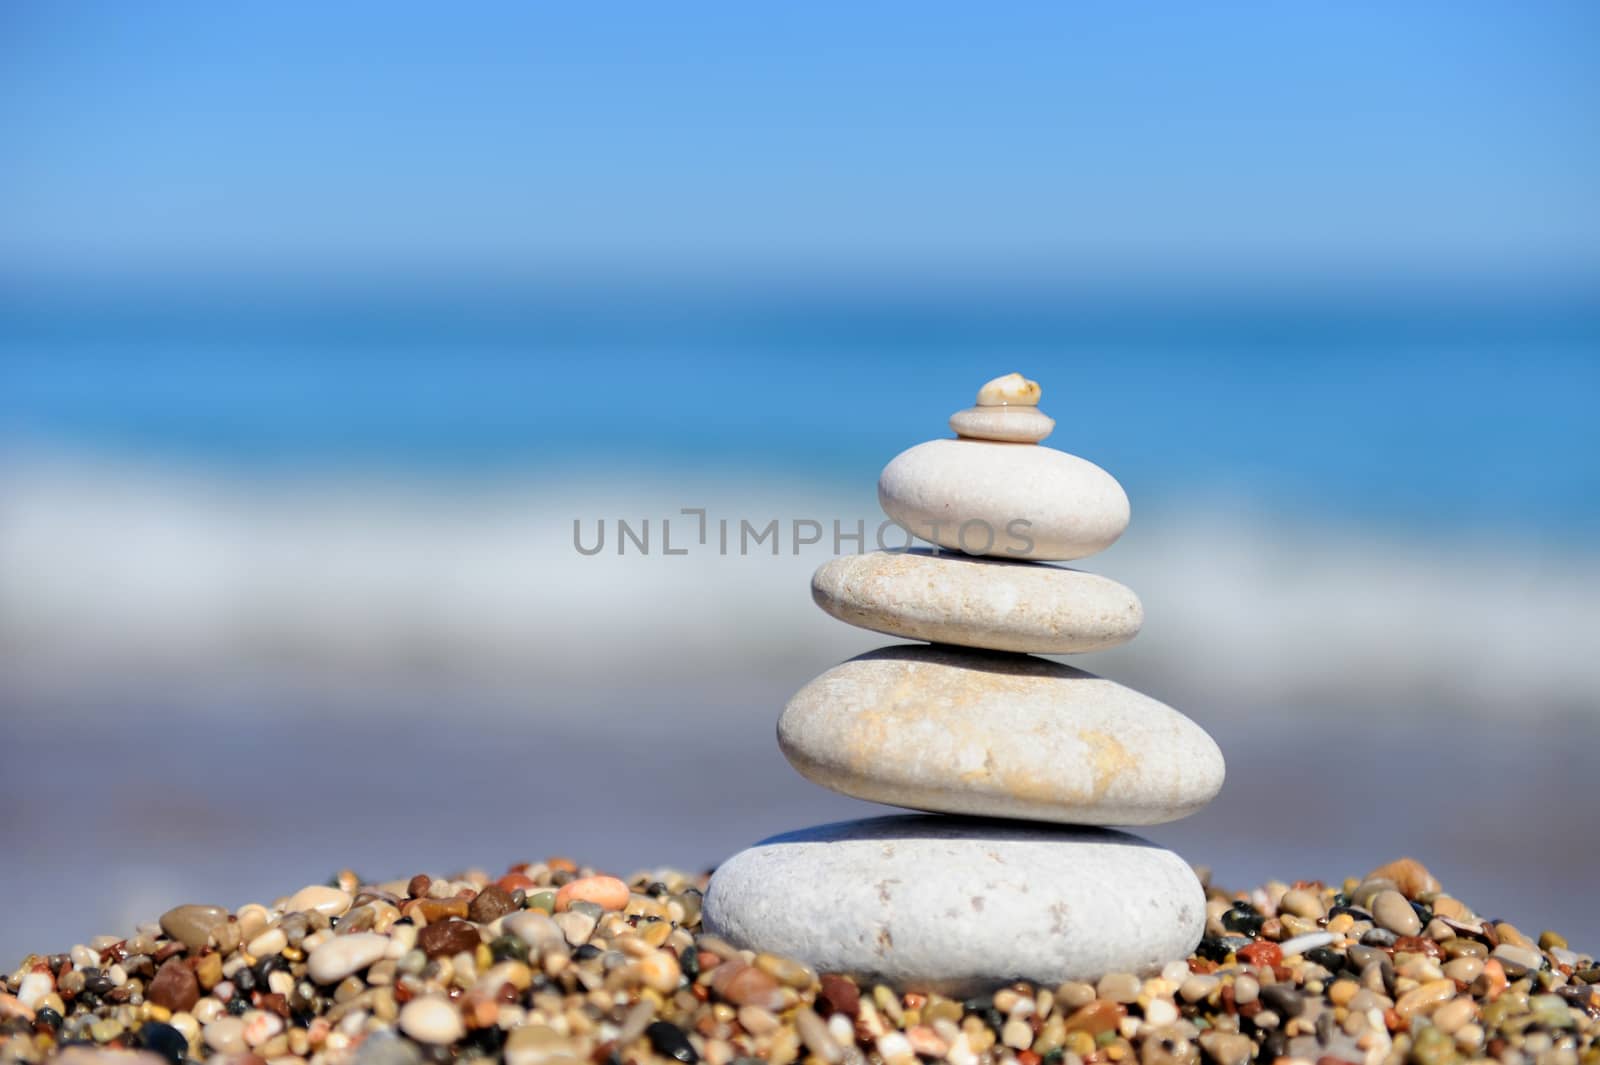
(1021,760)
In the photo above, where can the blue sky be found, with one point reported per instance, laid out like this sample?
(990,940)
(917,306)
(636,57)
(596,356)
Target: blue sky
(1196,138)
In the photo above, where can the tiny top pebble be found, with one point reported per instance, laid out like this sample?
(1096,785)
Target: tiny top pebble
(1012,390)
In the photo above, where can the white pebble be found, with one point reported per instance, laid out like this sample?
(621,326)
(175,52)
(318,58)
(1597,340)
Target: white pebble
(34,987)
(319,897)
(1160,1013)
(344,955)
(576,927)
(267,943)
(893,1045)
(432,1019)
(225,1035)
(1017,1034)
(402,938)
(536,929)
(960,1052)
(1309,941)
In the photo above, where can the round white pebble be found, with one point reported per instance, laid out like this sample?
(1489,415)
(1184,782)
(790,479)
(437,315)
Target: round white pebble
(431,1019)
(1019,501)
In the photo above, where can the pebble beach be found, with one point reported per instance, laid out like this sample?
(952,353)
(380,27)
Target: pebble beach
(557,964)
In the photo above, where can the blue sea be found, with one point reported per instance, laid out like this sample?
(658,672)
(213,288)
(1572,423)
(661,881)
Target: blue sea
(1419,408)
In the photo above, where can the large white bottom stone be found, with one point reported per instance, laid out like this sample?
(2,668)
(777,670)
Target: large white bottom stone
(959,905)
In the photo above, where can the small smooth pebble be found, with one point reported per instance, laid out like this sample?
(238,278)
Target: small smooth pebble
(225,1035)
(33,988)
(746,985)
(535,928)
(606,892)
(575,927)
(447,938)
(1527,957)
(1228,1048)
(1302,904)
(431,1019)
(1118,987)
(385,1048)
(174,986)
(1409,876)
(270,942)
(193,924)
(1010,389)
(1394,913)
(1309,941)
(344,956)
(328,901)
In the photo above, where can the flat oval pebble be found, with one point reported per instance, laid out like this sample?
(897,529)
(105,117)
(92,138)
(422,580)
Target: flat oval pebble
(343,956)
(193,924)
(971,732)
(606,892)
(1017,425)
(1019,501)
(978,602)
(959,906)
(325,900)
(225,1035)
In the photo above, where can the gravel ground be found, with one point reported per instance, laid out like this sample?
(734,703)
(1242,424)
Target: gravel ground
(551,964)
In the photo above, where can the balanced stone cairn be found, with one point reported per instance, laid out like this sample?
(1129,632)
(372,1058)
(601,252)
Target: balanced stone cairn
(1020,759)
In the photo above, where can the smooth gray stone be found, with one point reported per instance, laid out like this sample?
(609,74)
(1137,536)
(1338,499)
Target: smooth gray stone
(959,905)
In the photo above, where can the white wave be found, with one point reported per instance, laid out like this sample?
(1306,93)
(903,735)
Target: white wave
(110,574)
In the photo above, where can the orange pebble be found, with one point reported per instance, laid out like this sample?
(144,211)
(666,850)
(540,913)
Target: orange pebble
(1261,953)
(1408,874)
(513,881)
(561,865)
(1491,981)
(606,892)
